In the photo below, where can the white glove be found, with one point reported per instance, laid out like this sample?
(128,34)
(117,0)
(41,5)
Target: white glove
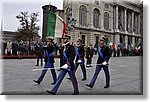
(79,61)
(104,63)
(65,66)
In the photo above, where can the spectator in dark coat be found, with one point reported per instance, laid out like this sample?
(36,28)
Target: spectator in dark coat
(3,50)
(39,52)
(14,48)
(20,50)
(89,55)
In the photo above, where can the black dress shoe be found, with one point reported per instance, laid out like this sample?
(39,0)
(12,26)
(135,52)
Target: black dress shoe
(69,78)
(37,81)
(89,85)
(75,93)
(50,92)
(87,65)
(106,86)
(36,65)
(83,79)
(59,70)
(53,83)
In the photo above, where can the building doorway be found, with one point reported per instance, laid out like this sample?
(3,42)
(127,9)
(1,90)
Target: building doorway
(83,39)
(129,40)
(96,41)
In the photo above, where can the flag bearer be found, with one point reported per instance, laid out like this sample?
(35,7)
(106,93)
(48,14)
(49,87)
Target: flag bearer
(89,55)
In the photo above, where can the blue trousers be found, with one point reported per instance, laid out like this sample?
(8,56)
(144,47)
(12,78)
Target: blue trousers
(82,68)
(98,69)
(60,78)
(44,72)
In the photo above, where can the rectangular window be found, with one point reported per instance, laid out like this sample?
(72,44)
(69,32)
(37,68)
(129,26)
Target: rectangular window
(97,39)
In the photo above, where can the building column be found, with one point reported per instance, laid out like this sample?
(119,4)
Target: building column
(125,20)
(126,39)
(91,38)
(117,39)
(122,19)
(89,17)
(139,21)
(102,20)
(133,41)
(74,36)
(116,18)
(132,21)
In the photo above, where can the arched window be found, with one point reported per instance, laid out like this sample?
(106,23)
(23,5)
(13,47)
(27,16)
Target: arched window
(96,18)
(106,21)
(82,15)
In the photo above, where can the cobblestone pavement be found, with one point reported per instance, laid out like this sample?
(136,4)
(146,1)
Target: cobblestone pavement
(126,78)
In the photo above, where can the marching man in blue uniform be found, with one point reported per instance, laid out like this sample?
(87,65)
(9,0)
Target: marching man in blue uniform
(102,62)
(80,58)
(49,62)
(68,66)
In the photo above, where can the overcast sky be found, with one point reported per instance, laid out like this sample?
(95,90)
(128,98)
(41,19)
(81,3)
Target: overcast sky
(11,8)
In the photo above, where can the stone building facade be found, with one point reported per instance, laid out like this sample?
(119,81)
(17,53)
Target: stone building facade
(7,36)
(120,22)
